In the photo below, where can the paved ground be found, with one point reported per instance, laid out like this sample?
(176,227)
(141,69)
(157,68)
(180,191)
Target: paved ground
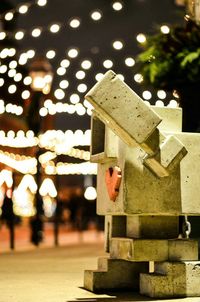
(55,275)
(66,236)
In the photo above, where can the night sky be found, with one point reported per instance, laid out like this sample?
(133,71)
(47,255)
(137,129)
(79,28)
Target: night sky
(93,40)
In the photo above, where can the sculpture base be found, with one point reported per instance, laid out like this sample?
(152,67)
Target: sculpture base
(172,279)
(114,274)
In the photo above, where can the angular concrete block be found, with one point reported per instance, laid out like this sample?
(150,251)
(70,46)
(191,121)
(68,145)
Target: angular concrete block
(189,171)
(171,118)
(104,143)
(172,152)
(122,109)
(153,250)
(115,226)
(120,274)
(159,196)
(152,227)
(155,286)
(139,249)
(183,249)
(172,279)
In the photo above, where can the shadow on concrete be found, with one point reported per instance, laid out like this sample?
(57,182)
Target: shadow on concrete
(114,297)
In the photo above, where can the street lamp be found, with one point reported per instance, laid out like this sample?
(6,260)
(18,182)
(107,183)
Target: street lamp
(40,71)
(41,75)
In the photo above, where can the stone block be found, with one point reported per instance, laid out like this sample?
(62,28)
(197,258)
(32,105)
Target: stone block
(122,109)
(115,226)
(155,286)
(142,193)
(153,249)
(113,274)
(189,171)
(104,143)
(171,118)
(153,227)
(183,249)
(139,249)
(172,152)
(172,279)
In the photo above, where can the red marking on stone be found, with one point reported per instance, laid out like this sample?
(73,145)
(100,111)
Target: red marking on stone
(113,181)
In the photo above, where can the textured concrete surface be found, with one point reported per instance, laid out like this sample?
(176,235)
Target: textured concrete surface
(55,275)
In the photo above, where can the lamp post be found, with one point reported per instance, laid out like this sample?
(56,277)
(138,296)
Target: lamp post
(40,71)
(41,75)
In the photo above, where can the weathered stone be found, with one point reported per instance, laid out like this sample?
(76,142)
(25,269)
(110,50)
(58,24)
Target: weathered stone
(104,143)
(172,279)
(159,196)
(183,249)
(158,168)
(171,118)
(115,226)
(173,195)
(132,124)
(152,227)
(172,152)
(114,274)
(153,249)
(137,249)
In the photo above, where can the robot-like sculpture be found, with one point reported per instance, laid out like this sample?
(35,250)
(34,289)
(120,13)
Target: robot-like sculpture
(148,176)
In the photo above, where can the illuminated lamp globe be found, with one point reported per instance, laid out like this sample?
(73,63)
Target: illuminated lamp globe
(41,75)
(90,193)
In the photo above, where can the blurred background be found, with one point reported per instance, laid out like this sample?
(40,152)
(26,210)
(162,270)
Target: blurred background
(51,53)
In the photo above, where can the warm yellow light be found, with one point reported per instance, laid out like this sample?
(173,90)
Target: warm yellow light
(23,203)
(55,28)
(9,16)
(41,75)
(90,193)
(36,32)
(42,2)
(118,45)
(129,62)
(6,177)
(117,5)
(28,182)
(23,9)
(107,63)
(19,35)
(86,64)
(96,15)
(2,35)
(65,63)
(141,38)
(48,188)
(165,29)
(73,53)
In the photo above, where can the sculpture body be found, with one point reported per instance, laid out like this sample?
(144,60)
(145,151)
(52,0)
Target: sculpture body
(147,177)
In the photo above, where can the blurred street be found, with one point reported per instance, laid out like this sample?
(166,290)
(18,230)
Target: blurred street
(65,237)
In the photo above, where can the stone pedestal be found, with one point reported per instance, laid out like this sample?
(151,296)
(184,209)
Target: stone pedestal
(172,279)
(114,274)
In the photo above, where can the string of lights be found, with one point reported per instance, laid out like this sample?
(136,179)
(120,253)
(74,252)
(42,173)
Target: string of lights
(22,8)
(28,165)
(21,163)
(50,139)
(70,169)
(55,27)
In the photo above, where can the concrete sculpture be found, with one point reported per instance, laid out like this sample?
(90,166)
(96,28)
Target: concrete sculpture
(148,176)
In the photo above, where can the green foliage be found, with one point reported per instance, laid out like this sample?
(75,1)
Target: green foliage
(172,60)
